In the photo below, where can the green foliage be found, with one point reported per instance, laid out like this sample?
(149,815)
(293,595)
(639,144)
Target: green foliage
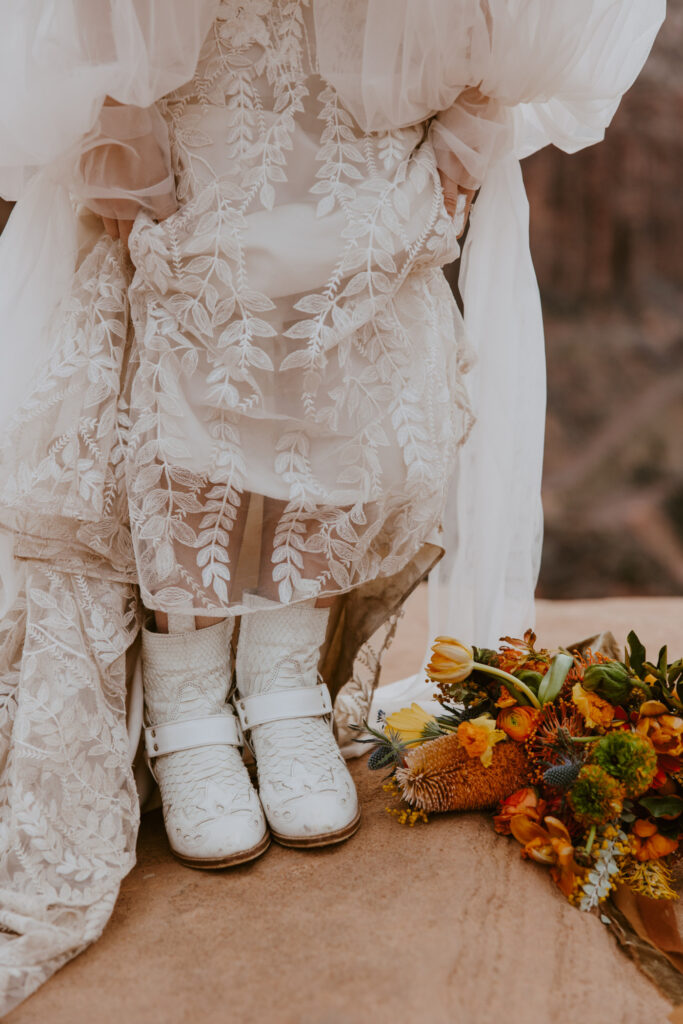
(553,681)
(532,679)
(662,806)
(664,678)
(485,655)
(635,657)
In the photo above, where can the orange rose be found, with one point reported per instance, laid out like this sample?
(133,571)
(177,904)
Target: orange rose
(524,802)
(649,843)
(550,845)
(597,712)
(518,722)
(663,729)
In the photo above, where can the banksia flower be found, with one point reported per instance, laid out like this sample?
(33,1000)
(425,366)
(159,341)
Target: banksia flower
(595,797)
(629,757)
(441,776)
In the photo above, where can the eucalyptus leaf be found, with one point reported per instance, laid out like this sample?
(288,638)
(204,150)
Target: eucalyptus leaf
(658,806)
(554,678)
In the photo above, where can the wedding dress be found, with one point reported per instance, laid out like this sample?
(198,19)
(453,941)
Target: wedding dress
(286,361)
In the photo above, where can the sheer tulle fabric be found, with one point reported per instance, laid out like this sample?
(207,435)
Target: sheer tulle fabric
(398,62)
(58,62)
(553,73)
(125,165)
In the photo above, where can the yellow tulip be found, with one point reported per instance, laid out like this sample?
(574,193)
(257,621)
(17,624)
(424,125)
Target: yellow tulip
(452,661)
(409,723)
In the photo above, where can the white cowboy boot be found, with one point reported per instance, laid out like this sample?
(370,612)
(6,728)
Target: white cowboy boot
(211,810)
(305,787)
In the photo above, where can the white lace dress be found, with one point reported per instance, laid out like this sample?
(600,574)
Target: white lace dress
(271,405)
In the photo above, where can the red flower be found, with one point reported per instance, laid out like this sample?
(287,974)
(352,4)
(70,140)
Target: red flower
(525,802)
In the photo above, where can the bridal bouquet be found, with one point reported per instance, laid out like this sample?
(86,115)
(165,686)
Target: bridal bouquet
(579,754)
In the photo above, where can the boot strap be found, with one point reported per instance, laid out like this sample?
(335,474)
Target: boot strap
(302,702)
(214,730)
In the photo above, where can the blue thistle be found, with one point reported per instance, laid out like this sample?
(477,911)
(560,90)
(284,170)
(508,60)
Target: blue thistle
(562,775)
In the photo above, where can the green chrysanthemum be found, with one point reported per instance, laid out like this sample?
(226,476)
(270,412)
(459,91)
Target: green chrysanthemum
(628,757)
(595,797)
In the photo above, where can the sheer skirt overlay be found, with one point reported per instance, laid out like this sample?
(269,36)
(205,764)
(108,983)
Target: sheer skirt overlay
(273,402)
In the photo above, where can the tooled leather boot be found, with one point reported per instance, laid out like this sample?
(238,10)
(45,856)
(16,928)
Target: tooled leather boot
(212,812)
(305,787)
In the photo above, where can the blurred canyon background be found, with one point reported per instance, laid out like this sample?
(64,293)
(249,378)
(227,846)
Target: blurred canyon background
(606,235)
(606,230)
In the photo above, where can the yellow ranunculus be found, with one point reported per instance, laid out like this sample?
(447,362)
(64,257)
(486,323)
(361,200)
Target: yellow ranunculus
(451,662)
(479,737)
(409,722)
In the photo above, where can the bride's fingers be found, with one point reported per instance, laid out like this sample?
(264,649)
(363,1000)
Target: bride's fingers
(125,228)
(466,194)
(111,227)
(457,199)
(164,206)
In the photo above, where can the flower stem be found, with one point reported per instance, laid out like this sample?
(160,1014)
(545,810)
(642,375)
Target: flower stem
(517,683)
(591,837)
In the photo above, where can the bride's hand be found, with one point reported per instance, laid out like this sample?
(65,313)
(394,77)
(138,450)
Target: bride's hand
(118,229)
(457,200)
(125,167)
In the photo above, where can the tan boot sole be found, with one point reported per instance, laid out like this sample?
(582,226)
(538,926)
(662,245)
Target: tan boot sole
(326,839)
(243,857)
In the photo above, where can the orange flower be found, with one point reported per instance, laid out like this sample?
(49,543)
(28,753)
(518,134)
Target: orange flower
(649,843)
(478,738)
(551,846)
(506,700)
(518,722)
(524,802)
(597,712)
(664,730)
